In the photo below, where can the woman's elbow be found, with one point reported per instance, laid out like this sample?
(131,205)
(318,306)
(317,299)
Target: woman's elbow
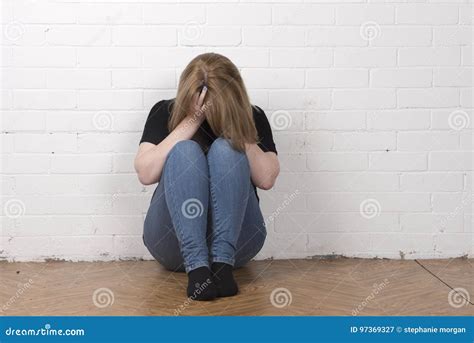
(144,176)
(266,185)
(144,179)
(269,181)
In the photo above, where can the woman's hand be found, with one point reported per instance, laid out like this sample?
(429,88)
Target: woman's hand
(150,158)
(198,107)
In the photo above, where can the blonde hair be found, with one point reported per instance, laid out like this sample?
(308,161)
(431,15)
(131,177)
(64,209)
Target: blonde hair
(227,106)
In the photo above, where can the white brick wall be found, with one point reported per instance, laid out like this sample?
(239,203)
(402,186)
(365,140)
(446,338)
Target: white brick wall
(374,97)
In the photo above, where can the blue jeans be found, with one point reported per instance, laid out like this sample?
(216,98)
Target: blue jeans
(204,210)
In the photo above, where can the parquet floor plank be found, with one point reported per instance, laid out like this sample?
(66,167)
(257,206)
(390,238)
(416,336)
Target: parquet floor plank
(304,287)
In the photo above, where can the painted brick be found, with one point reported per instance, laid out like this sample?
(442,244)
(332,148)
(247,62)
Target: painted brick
(386,118)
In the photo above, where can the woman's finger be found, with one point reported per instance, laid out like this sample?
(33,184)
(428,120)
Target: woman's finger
(202,96)
(195,99)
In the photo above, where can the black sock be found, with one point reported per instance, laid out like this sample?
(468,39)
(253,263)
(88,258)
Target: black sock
(201,285)
(224,279)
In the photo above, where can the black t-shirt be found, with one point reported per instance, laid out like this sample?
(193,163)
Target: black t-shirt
(156,127)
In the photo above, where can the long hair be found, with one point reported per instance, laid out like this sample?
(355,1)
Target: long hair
(227,107)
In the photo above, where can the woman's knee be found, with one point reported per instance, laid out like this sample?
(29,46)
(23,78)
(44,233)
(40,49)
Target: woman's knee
(223,156)
(183,153)
(222,148)
(186,147)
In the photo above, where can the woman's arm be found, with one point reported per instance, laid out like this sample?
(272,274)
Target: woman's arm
(264,166)
(151,158)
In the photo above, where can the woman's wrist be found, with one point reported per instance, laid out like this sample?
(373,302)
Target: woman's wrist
(186,128)
(193,121)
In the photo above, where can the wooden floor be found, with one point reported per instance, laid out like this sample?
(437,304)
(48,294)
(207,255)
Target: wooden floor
(293,287)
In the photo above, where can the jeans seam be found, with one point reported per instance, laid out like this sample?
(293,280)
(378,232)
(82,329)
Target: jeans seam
(216,210)
(178,218)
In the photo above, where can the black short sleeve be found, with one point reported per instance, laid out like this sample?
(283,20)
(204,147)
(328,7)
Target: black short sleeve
(264,130)
(156,126)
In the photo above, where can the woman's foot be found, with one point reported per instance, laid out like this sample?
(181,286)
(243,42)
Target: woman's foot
(201,286)
(224,279)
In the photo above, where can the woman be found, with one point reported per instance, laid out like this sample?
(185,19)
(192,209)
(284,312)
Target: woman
(208,149)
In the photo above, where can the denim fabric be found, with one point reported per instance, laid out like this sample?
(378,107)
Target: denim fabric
(204,209)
